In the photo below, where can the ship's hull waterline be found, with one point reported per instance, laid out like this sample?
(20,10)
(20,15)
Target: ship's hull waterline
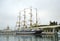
(20,32)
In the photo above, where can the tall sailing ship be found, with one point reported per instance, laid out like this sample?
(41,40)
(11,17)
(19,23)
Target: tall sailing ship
(30,30)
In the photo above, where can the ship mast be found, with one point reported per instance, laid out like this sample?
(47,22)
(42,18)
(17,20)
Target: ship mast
(19,19)
(36,17)
(24,18)
(31,17)
(18,22)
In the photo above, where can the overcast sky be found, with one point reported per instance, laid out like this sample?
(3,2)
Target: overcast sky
(48,10)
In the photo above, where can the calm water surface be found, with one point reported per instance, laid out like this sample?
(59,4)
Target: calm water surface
(28,38)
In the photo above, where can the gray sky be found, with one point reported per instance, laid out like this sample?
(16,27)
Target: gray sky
(48,10)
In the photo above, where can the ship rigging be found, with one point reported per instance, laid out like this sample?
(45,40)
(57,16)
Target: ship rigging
(24,22)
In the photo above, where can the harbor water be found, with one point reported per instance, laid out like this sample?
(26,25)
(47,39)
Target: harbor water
(29,38)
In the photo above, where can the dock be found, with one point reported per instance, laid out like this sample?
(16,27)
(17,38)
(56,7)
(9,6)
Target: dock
(47,33)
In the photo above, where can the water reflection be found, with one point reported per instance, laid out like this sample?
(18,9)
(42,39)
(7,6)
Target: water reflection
(28,38)
(24,37)
(36,38)
(7,38)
